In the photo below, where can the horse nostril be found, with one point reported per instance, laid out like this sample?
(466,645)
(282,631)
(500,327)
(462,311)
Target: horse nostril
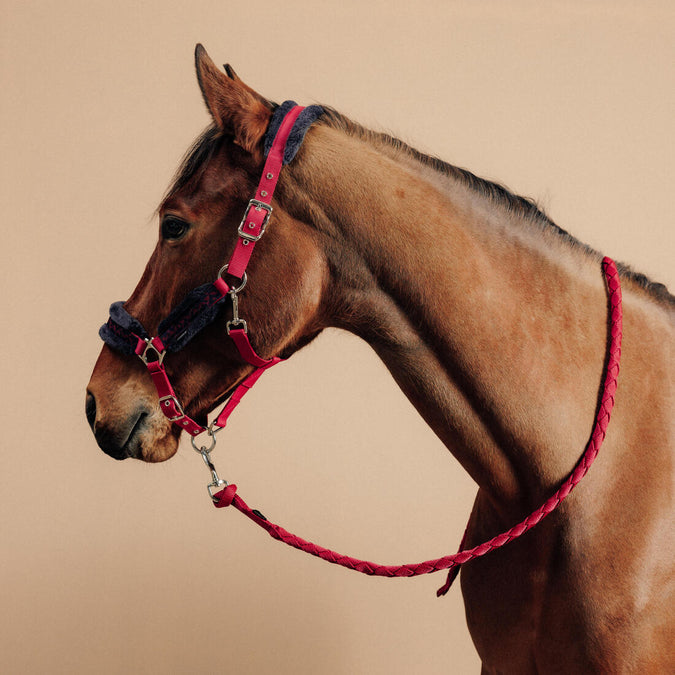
(90,409)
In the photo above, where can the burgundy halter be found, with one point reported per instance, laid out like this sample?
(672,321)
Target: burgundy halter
(202,305)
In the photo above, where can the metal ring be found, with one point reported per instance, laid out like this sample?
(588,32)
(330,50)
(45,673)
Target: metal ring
(243,279)
(203,448)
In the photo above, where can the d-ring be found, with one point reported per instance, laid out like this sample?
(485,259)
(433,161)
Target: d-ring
(243,279)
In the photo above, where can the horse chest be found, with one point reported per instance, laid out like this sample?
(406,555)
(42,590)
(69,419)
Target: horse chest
(542,605)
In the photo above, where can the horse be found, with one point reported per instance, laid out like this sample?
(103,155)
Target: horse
(493,322)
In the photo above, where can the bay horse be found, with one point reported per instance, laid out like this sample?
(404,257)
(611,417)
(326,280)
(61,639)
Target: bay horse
(493,322)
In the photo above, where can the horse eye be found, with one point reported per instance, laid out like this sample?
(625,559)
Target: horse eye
(173,227)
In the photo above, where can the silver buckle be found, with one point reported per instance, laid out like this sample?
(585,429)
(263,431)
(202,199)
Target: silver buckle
(165,400)
(258,205)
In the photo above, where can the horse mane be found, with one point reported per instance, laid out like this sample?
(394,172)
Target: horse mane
(195,159)
(207,144)
(495,192)
(523,207)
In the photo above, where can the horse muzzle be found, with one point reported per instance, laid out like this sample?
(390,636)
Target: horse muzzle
(122,411)
(121,438)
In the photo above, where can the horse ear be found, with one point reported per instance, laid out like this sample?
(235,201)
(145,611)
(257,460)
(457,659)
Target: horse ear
(235,107)
(230,73)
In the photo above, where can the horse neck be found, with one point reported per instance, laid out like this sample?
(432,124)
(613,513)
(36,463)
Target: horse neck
(492,327)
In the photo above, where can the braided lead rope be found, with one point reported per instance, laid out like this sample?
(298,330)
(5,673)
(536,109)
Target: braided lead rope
(452,562)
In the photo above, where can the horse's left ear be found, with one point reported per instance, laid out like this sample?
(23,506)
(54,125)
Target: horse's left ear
(236,108)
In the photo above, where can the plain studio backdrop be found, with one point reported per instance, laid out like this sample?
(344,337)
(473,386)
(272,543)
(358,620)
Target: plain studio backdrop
(114,567)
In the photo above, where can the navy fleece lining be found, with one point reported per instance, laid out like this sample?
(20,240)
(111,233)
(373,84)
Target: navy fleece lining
(305,120)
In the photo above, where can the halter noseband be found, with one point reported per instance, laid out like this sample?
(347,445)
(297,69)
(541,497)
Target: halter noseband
(202,305)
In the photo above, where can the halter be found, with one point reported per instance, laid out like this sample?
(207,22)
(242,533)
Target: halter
(202,305)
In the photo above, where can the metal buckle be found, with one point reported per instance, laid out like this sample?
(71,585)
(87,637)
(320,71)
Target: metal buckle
(258,206)
(165,400)
(149,347)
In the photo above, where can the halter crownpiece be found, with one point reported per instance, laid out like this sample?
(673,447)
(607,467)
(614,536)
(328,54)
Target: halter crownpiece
(123,332)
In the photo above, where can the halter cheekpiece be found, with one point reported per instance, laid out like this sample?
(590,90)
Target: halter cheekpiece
(124,333)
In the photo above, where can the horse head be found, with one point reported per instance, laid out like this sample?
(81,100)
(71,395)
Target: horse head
(198,222)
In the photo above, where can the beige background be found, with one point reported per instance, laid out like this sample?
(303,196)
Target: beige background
(125,568)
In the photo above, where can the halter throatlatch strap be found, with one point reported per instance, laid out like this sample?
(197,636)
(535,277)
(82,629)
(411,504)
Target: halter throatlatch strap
(229,496)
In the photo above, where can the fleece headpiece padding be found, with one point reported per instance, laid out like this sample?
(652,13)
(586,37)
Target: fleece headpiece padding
(305,119)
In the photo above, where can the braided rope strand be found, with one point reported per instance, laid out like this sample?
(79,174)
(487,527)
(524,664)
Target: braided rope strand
(452,562)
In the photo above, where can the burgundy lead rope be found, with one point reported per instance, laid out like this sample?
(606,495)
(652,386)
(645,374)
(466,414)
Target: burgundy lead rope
(228,496)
